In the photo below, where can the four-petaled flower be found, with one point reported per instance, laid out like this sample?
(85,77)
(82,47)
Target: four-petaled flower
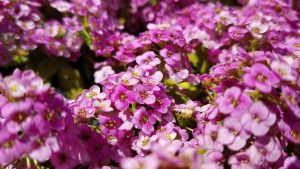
(262,77)
(258,120)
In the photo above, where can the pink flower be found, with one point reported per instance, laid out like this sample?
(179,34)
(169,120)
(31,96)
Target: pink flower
(147,60)
(291,98)
(122,97)
(262,77)
(264,149)
(234,101)
(236,33)
(232,134)
(103,73)
(257,28)
(258,120)
(143,120)
(170,56)
(144,94)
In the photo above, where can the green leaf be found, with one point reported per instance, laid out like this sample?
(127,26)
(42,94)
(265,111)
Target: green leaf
(133,106)
(194,60)
(180,120)
(53,69)
(204,66)
(154,2)
(46,67)
(187,86)
(169,82)
(70,81)
(87,38)
(255,94)
(185,122)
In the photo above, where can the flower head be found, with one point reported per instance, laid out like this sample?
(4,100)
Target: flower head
(261,77)
(258,120)
(122,97)
(143,120)
(147,60)
(234,101)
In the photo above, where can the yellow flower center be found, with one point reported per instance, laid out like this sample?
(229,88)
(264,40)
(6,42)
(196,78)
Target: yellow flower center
(295,134)
(261,78)
(123,97)
(144,94)
(235,102)
(255,30)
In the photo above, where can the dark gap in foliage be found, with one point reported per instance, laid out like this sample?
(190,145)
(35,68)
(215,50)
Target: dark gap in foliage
(50,13)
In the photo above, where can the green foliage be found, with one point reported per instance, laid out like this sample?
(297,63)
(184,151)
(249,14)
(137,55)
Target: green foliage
(185,122)
(59,72)
(154,2)
(199,60)
(85,35)
(70,81)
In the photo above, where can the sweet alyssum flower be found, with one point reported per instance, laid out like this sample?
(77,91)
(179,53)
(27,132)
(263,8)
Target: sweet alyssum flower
(232,134)
(33,119)
(261,77)
(170,56)
(122,97)
(236,33)
(147,60)
(264,149)
(156,63)
(144,94)
(234,101)
(143,120)
(257,28)
(258,120)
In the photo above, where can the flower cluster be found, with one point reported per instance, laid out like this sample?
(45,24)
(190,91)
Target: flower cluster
(58,26)
(37,126)
(32,116)
(177,84)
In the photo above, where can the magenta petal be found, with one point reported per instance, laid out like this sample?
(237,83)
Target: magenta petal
(13,127)
(170,61)
(148,128)
(140,60)
(245,103)
(53,144)
(258,68)
(249,79)
(150,99)
(233,123)
(6,156)
(114,96)
(264,87)
(274,155)
(121,105)
(255,156)
(131,96)
(258,108)
(225,107)
(41,154)
(237,144)
(224,136)
(258,129)
(155,62)
(270,120)
(176,57)
(233,92)
(272,78)
(245,120)
(133,81)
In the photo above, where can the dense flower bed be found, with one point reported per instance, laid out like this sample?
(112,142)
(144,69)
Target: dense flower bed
(149,84)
